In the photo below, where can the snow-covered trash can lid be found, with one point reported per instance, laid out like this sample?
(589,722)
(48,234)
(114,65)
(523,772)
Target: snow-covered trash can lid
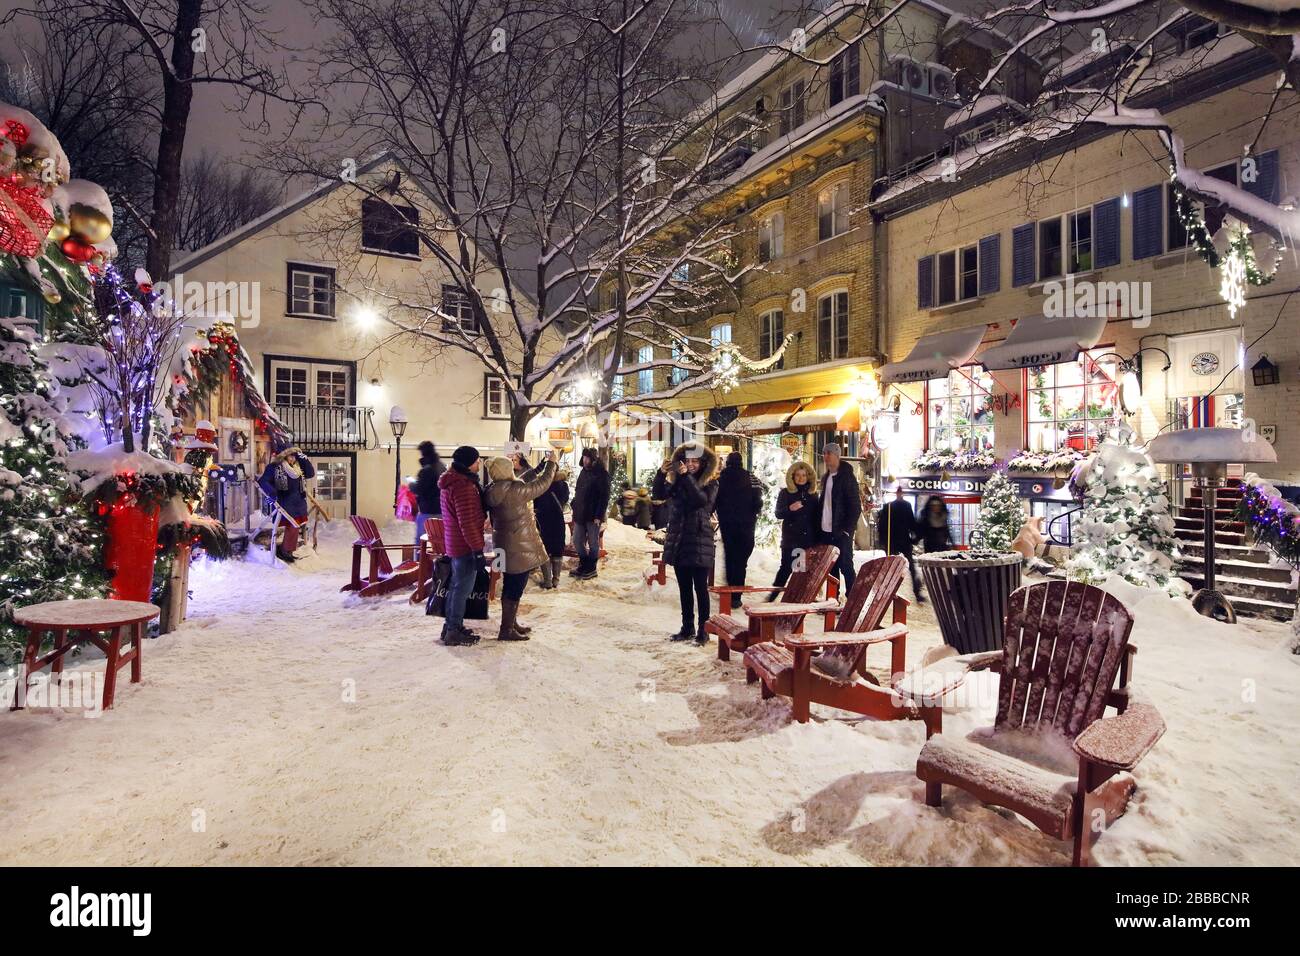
(974,558)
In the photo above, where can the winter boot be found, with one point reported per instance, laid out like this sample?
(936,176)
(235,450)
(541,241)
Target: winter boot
(509,609)
(701,638)
(686,633)
(458,637)
(548,579)
(557,565)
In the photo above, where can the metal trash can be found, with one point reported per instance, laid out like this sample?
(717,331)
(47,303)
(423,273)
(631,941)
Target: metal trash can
(969,591)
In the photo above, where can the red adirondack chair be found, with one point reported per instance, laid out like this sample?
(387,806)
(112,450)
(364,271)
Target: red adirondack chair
(430,547)
(799,598)
(785,664)
(1052,756)
(383,577)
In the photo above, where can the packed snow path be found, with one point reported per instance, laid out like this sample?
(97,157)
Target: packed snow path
(596,742)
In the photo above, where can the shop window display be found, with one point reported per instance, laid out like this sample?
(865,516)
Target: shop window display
(960,412)
(1072,405)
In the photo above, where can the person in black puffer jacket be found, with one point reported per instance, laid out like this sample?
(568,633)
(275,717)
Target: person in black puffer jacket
(839,509)
(549,511)
(796,508)
(740,500)
(590,509)
(688,547)
(425,487)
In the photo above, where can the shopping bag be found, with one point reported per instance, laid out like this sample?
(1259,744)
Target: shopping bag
(438,586)
(476,608)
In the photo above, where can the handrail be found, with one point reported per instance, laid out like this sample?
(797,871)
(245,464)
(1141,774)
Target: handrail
(1065,543)
(330,426)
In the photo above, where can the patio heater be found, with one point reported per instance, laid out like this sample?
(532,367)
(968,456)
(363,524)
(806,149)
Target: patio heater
(1208,451)
(397,422)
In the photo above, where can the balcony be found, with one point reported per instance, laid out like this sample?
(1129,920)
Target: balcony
(330,427)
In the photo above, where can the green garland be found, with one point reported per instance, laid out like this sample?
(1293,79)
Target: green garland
(146,489)
(1201,240)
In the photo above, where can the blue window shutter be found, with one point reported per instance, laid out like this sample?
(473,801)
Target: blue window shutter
(925,282)
(1022,255)
(1266,185)
(1148,222)
(1105,233)
(990,264)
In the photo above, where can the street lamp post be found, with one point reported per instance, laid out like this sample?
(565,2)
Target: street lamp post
(397,422)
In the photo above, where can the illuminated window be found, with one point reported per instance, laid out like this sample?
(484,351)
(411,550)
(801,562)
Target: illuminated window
(1073,404)
(959,410)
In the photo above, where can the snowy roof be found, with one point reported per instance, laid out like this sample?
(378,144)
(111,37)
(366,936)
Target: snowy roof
(986,104)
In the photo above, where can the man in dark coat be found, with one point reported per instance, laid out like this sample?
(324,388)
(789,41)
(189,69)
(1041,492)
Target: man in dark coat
(739,502)
(428,501)
(896,532)
(590,509)
(549,512)
(688,547)
(839,508)
(282,482)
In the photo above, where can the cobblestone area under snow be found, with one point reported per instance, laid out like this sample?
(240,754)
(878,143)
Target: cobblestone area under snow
(286,723)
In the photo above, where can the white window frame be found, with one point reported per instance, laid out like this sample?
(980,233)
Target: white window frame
(834,352)
(720,334)
(792,100)
(771,237)
(311,370)
(768,330)
(958,296)
(463,310)
(645,378)
(495,383)
(1068,243)
(833,200)
(313,274)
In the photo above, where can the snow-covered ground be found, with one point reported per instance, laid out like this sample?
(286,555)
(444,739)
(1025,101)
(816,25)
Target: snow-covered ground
(286,723)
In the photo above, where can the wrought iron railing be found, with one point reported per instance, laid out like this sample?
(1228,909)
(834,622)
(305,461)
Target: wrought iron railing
(1067,539)
(330,426)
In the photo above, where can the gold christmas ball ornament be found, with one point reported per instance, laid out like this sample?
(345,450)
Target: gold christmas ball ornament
(59,231)
(53,297)
(89,223)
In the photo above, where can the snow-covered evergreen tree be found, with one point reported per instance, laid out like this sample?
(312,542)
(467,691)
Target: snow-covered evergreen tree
(49,545)
(1126,528)
(770,463)
(1001,514)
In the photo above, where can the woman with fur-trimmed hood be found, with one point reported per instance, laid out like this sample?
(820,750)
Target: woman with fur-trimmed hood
(689,548)
(796,509)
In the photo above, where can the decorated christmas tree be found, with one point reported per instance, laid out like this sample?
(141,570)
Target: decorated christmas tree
(1126,528)
(770,464)
(50,547)
(1001,514)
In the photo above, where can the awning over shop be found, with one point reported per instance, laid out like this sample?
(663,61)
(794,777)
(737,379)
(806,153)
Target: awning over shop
(934,355)
(1038,340)
(764,417)
(827,413)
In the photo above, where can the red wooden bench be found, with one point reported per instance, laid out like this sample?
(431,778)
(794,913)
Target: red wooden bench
(803,586)
(383,577)
(659,569)
(1065,647)
(786,665)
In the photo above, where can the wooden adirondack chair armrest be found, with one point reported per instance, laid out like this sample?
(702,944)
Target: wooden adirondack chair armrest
(739,588)
(844,638)
(790,610)
(900,606)
(942,672)
(1121,741)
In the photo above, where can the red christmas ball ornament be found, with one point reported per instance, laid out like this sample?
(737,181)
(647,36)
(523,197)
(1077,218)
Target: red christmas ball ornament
(17,131)
(76,250)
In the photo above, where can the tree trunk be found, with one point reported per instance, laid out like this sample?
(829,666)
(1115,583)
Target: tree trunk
(178,93)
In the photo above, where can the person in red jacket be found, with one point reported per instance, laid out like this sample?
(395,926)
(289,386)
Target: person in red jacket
(461,497)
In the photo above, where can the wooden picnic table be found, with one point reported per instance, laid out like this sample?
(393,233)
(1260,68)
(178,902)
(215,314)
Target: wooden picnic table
(83,621)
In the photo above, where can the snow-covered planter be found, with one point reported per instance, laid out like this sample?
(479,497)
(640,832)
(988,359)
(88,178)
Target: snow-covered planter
(954,461)
(1060,462)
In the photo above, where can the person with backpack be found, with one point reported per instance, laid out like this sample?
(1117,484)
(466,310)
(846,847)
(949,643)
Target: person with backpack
(689,548)
(738,505)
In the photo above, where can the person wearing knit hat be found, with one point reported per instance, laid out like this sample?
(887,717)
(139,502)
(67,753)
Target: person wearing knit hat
(461,502)
(514,534)
(282,482)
